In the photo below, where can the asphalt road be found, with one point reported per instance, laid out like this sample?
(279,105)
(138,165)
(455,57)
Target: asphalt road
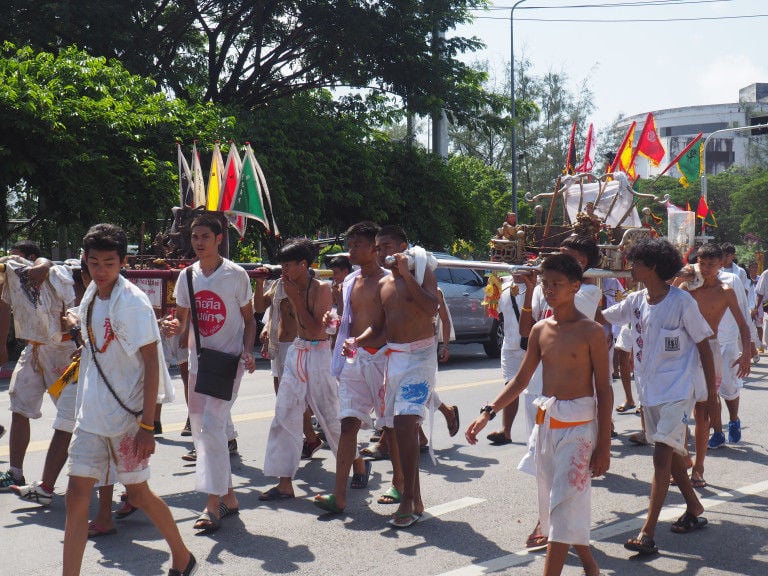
(480,507)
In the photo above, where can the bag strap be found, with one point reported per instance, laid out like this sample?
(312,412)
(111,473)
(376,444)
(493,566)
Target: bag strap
(193,308)
(98,366)
(514,303)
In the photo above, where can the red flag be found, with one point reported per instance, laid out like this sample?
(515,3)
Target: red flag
(649,144)
(589,153)
(570,158)
(703,209)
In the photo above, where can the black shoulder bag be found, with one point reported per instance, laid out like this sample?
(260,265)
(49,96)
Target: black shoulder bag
(523,339)
(216,371)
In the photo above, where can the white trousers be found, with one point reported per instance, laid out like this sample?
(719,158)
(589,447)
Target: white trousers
(307,379)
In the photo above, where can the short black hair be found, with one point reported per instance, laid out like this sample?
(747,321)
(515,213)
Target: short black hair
(727,248)
(338,261)
(565,264)
(365,229)
(585,246)
(29,248)
(393,231)
(296,250)
(710,251)
(106,237)
(209,221)
(657,253)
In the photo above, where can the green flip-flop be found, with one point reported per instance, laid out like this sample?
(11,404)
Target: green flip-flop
(391,496)
(328,503)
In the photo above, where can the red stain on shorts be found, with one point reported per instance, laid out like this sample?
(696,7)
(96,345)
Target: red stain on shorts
(579,474)
(127,454)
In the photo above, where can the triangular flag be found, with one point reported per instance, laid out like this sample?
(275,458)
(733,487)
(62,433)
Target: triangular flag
(649,144)
(185,179)
(231,175)
(267,200)
(247,201)
(570,156)
(215,179)
(690,165)
(623,159)
(589,153)
(703,209)
(198,184)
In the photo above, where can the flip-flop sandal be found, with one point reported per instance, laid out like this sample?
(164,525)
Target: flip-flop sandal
(453,430)
(688,523)
(698,482)
(645,546)
(360,480)
(225,511)
(391,496)
(125,510)
(274,494)
(327,503)
(207,524)
(374,454)
(498,439)
(97,531)
(626,408)
(536,541)
(410,520)
(638,439)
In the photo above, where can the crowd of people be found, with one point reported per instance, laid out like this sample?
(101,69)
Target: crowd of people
(361,352)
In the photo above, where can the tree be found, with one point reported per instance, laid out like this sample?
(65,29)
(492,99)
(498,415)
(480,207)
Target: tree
(254,52)
(92,141)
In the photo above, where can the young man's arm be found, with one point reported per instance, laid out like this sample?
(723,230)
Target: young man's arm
(144,441)
(445,323)
(260,300)
(249,337)
(708,364)
(513,387)
(424,295)
(5,326)
(526,321)
(598,351)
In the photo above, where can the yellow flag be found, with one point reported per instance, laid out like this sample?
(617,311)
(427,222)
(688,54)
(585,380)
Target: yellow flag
(215,179)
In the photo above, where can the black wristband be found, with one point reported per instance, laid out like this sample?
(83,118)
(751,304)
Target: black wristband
(488,410)
(74,333)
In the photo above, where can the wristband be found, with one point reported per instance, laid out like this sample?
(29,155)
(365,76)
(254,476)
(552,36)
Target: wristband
(74,333)
(524,309)
(488,410)
(147,427)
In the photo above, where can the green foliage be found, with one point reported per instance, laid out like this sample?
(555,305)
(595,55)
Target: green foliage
(245,252)
(91,141)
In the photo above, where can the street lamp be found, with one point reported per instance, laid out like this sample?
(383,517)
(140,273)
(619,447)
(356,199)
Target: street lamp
(704,152)
(512,94)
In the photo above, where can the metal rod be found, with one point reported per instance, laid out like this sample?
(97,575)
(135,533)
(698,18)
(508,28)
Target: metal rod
(521,268)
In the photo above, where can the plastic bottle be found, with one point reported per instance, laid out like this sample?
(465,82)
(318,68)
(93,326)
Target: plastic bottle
(332,323)
(391,261)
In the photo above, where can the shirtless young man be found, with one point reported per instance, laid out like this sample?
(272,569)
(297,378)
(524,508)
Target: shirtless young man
(574,434)
(408,308)
(714,297)
(361,382)
(307,377)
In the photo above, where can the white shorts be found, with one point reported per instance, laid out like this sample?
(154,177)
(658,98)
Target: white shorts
(624,339)
(278,364)
(730,384)
(38,367)
(510,362)
(411,372)
(94,456)
(667,423)
(361,387)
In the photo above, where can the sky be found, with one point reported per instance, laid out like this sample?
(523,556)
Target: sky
(632,67)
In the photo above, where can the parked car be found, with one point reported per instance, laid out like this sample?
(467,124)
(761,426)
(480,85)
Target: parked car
(464,290)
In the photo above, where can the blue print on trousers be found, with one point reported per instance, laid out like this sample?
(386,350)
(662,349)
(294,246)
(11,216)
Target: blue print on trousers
(415,393)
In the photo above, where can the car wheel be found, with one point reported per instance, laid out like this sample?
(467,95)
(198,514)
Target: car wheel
(495,339)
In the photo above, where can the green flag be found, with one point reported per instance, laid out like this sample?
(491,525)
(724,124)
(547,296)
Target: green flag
(690,164)
(247,200)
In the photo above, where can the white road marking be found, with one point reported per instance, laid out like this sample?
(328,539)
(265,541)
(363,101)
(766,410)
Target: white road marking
(609,531)
(452,506)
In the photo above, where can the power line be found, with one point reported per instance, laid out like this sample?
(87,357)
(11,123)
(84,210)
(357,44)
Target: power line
(639,4)
(619,20)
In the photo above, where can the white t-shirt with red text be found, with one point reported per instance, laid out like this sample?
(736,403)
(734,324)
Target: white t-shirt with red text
(219,298)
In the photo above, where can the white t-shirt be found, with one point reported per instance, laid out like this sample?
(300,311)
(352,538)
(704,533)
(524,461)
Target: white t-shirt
(511,323)
(124,323)
(664,338)
(739,272)
(762,285)
(219,298)
(728,330)
(587,300)
(37,312)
